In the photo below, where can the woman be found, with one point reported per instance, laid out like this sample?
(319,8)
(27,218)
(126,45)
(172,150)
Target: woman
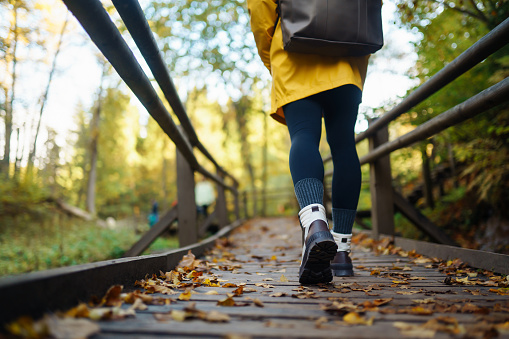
(306,88)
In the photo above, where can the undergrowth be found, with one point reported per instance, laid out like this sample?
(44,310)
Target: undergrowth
(28,245)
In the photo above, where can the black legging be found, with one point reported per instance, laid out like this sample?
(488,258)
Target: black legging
(304,119)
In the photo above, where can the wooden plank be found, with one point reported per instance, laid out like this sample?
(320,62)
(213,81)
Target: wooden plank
(480,259)
(380,178)
(420,220)
(151,235)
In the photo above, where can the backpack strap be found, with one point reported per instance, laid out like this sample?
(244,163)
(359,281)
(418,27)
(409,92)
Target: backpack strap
(278,11)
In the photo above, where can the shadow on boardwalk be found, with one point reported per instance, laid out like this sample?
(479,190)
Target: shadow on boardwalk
(247,287)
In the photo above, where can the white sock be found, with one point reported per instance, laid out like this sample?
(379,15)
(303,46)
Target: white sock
(343,241)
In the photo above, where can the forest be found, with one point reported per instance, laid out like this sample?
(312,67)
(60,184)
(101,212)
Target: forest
(73,134)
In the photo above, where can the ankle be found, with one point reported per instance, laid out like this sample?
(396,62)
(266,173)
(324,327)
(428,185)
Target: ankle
(343,241)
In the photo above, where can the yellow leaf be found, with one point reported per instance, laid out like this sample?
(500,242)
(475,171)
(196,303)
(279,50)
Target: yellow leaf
(353,318)
(226,302)
(283,278)
(179,315)
(185,295)
(273,258)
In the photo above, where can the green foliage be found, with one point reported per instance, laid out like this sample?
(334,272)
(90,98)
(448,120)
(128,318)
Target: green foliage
(479,146)
(204,39)
(30,245)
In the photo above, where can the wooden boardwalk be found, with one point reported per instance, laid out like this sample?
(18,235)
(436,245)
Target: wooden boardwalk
(391,296)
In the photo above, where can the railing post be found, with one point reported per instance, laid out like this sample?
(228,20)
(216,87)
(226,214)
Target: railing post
(380,178)
(187,228)
(221,211)
(244,200)
(236,201)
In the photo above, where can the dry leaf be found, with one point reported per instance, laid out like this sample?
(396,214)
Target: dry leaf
(320,321)
(238,291)
(226,302)
(283,278)
(138,305)
(418,310)
(69,328)
(258,302)
(187,260)
(230,285)
(217,317)
(353,318)
(163,316)
(213,292)
(112,297)
(414,331)
(278,294)
(185,295)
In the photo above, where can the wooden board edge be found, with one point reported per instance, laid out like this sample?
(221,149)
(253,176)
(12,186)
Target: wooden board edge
(58,289)
(495,262)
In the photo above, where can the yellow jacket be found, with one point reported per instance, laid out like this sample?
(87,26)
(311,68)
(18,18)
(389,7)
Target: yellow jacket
(294,75)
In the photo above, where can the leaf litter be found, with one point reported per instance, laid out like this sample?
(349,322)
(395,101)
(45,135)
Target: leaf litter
(178,286)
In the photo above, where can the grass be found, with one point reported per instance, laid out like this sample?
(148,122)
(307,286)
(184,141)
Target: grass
(27,245)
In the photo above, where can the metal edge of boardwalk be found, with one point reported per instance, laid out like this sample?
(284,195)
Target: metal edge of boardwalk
(57,289)
(495,262)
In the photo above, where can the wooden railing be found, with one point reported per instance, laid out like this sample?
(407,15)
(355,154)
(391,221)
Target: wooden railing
(384,198)
(103,32)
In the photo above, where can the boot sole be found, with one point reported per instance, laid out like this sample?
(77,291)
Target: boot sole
(316,267)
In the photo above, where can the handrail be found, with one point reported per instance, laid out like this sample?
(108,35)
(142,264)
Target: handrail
(98,25)
(132,14)
(489,98)
(487,45)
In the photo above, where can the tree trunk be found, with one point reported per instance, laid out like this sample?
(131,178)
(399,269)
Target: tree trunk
(44,99)
(240,113)
(426,175)
(94,134)
(9,102)
(452,164)
(264,165)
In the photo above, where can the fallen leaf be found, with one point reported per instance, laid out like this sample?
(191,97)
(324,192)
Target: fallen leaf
(500,291)
(414,331)
(418,310)
(226,302)
(163,316)
(283,278)
(258,302)
(187,260)
(278,294)
(320,321)
(238,291)
(212,292)
(217,317)
(138,305)
(185,295)
(408,292)
(229,285)
(353,318)
(112,296)
(69,328)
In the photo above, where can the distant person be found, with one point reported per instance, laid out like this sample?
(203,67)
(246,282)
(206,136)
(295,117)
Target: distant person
(307,88)
(204,195)
(153,217)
